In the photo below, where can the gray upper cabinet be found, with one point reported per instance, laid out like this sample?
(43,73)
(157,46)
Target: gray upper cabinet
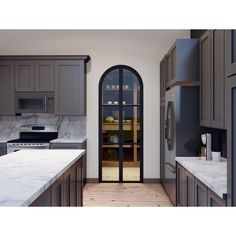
(205,79)
(44,75)
(212,77)
(230,52)
(24,75)
(6,88)
(70,89)
(162,79)
(182,62)
(218,79)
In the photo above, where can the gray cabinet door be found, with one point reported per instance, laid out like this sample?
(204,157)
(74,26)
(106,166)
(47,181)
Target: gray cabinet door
(214,200)
(162,89)
(217,79)
(181,186)
(190,189)
(70,91)
(169,68)
(173,57)
(230,50)
(44,75)
(6,88)
(24,75)
(200,193)
(230,105)
(57,192)
(205,80)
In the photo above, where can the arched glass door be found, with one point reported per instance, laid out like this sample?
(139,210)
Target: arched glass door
(121,125)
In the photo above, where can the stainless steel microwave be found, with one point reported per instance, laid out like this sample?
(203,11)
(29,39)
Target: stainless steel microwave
(34,102)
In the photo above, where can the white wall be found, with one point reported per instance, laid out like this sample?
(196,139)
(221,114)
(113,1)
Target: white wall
(141,50)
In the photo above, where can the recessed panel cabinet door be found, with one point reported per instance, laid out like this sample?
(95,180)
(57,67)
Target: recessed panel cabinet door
(6,88)
(69,87)
(44,75)
(200,193)
(205,77)
(24,75)
(218,80)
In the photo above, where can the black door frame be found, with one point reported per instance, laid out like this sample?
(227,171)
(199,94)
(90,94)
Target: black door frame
(120,68)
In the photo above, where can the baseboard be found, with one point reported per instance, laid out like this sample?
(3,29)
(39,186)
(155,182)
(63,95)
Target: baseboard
(92,180)
(154,180)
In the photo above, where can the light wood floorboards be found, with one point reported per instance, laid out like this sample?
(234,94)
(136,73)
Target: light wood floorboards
(125,195)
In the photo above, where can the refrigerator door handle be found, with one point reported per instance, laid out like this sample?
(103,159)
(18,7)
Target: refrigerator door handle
(170,167)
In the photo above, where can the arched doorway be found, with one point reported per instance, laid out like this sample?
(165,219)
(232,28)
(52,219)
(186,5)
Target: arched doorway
(121,125)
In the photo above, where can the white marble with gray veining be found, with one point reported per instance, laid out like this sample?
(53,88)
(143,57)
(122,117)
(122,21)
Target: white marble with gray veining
(69,127)
(25,174)
(212,174)
(68,140)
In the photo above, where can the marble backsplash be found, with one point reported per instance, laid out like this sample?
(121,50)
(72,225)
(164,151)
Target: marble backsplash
(68,126)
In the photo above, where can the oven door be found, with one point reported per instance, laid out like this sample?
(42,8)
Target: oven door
(14,148)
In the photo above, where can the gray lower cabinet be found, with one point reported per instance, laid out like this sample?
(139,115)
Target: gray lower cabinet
(214,200)
(81,145)
(24,75)
(65,191)
(6,88)
(44,75)
(70,87)
(212,77)
(190,201)
(3,149)
(181,186)
(200,193)
(191,191)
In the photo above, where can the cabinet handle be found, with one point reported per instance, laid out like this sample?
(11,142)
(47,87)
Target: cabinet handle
(45,104)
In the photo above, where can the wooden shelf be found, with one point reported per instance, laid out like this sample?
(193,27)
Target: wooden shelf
(106,126)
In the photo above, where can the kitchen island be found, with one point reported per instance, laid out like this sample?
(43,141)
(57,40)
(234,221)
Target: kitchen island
(41,178)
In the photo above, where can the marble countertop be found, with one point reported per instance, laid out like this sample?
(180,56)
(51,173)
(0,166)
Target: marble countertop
(212,174)
(25,174)
(68,140)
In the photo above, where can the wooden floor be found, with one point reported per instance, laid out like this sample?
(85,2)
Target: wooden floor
(125,195)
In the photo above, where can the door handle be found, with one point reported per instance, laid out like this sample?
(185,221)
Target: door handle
(172,168)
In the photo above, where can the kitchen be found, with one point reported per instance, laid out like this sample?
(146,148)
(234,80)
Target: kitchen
(111,48)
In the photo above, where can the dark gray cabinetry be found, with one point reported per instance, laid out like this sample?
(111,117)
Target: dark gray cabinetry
(230,50)
(214,200)
(192,192)
(57,192)
(24,75)
(181,186)
(6,88)
(162,79)
(70,87)
(182,62)
(3,149)
(44,75)
(81,145)
(65,191)
(190,189)
(200,193)
(205,79)
(162,143)
(212,74)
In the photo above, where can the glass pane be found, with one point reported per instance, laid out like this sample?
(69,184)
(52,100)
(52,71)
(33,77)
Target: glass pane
(110,88)
(110,125)
(131,124)
(110,163)
(131,88)
(131,163)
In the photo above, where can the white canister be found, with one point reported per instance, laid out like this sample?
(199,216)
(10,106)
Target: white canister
(216,156)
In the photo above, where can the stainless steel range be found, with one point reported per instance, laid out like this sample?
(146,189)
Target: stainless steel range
(33,137)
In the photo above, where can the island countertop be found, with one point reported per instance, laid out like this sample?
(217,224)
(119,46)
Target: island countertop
(212,174)
(25,174)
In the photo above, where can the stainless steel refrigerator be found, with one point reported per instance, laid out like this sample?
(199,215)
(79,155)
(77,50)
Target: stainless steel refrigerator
(182,131)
